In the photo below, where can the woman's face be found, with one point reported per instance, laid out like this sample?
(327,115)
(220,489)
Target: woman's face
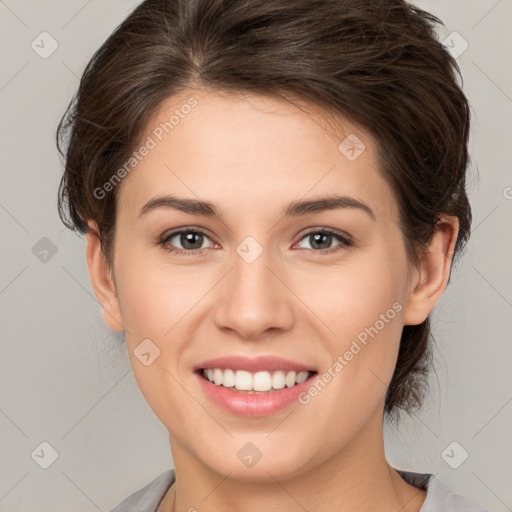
(266,285)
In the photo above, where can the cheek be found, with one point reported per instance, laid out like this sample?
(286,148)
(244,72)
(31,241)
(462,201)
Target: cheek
(152,297)
(155,302)
(154,306)
(353,297)
(363,308)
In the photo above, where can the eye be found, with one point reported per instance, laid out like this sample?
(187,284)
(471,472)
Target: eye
(321,239)
(190,239)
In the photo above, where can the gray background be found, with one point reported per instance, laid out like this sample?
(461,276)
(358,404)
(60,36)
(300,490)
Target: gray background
(66,379)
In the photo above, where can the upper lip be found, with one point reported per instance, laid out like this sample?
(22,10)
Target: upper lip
(253,364)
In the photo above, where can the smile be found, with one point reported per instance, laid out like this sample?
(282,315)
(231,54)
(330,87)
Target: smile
(243,381)
(253,386)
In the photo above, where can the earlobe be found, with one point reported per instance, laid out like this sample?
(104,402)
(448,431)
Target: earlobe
(101,280)
(429,280)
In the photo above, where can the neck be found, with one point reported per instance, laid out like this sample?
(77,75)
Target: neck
(356,478)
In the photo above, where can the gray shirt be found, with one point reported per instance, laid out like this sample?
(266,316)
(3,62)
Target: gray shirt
(438,499)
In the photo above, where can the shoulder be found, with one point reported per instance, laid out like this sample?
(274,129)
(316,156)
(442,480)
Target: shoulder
(439,499)
(148,497)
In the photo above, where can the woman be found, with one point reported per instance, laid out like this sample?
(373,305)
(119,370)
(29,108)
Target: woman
(273,195)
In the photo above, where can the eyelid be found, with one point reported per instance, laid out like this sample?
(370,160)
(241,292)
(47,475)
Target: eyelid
(344,238)
(164,239)
(345,241)
(331,231)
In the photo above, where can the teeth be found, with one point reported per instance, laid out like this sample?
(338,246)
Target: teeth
(242,380)
(278,380)
(228,378)
(290,379)
(217,376)
(262,381)
(301,377)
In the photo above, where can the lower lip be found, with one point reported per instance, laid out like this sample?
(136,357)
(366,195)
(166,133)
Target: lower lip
(255,404)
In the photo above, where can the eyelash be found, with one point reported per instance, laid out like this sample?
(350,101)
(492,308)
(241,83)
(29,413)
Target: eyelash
(344,241)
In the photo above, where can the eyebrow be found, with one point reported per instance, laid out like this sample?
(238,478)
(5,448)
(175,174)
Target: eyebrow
(293,209)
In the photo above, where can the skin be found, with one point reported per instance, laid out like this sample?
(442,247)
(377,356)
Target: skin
(251,155)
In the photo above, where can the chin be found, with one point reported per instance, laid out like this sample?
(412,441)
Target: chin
(255,461)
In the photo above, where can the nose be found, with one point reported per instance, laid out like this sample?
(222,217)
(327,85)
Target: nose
(253,299)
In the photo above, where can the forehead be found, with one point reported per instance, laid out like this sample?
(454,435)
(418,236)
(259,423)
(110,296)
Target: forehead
(249,152)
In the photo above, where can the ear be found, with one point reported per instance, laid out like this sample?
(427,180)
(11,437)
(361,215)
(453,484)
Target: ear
(102,280)
(429,280)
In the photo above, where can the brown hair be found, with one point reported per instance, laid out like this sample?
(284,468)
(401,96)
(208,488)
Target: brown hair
(379,64)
